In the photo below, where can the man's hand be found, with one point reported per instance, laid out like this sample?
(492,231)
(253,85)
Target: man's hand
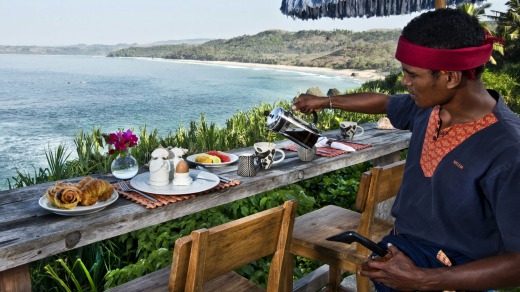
(399,272)
(307,103)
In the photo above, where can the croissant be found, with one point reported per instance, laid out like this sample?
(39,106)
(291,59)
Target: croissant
(83,182)
(95,190)
(67,197)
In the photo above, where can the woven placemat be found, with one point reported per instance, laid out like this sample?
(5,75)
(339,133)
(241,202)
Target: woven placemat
(165,200)
(331,152)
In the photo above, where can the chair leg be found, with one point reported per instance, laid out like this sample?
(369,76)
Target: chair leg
(363,284)
(288,281)
(334,278)
(16,279)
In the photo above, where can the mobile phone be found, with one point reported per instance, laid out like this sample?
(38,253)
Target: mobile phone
(351,236)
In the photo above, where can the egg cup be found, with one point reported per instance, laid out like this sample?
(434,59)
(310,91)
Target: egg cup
(182,179)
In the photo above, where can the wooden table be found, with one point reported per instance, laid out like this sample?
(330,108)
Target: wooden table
(29,233)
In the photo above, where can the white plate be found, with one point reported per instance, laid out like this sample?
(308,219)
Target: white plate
(202,181)
(233,158)
(79,210)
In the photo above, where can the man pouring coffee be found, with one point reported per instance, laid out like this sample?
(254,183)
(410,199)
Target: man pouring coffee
(456,214)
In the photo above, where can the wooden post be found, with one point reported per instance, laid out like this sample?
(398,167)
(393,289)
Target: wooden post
(440,4)
(387,159)
(16,279)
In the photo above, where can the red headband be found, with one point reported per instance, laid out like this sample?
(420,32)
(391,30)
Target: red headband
(442,59)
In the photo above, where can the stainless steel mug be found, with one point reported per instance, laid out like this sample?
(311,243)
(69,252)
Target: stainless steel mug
(306,154)
(247,164)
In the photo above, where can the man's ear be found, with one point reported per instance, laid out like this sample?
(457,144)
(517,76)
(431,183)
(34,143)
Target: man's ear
(454,79)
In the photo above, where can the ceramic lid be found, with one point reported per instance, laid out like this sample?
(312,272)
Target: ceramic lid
(160,153)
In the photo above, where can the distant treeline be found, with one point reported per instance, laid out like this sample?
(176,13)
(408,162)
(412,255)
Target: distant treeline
(95,50)
(338,49)
(83,49)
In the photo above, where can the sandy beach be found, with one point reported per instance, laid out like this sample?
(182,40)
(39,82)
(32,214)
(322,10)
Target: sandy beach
(363,75)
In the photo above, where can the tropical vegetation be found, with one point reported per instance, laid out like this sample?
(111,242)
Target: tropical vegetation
(112,262)
(508,27)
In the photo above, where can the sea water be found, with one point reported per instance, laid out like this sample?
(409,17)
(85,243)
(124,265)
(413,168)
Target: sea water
(45,99)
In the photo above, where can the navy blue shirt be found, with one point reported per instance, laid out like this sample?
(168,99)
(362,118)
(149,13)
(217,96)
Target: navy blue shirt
(471,202)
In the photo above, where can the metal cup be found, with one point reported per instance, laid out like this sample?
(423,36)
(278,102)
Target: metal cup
(306,154)
(247,165)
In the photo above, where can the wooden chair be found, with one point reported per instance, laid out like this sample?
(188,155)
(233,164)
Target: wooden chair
(312,229)
(206,259)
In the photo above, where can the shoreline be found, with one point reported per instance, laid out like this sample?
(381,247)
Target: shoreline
(363,75)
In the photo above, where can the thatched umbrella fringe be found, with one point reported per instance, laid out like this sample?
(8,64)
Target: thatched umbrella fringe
(314,9)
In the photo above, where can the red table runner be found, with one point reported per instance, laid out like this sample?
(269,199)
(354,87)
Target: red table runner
(163,200)
(331,152)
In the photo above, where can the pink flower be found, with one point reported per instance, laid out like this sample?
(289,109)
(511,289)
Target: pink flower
(120,141)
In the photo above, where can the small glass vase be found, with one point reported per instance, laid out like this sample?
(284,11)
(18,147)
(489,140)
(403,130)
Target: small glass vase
(124,166)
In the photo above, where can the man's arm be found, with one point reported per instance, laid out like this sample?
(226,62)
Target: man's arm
(400,273)
(366,102)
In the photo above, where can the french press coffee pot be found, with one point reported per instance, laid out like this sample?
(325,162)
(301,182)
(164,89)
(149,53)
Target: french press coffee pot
(292,127)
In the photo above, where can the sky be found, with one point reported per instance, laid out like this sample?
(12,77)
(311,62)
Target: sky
(70,22)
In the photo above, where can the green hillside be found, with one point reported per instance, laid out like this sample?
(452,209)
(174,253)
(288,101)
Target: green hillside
(338,49)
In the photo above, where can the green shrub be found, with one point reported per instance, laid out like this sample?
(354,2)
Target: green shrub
(507,85)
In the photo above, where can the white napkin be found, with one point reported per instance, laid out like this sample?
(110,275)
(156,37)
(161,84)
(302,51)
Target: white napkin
(324,142)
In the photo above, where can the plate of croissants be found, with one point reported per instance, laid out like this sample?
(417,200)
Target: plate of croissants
(72,199)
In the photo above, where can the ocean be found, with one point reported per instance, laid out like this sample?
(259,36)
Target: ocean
(46,99)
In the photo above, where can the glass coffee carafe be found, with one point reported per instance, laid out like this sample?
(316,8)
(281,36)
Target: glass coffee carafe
(293,128)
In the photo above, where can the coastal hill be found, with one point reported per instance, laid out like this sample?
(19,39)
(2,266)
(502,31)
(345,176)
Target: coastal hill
(83,49)
(80,49)
(337,49)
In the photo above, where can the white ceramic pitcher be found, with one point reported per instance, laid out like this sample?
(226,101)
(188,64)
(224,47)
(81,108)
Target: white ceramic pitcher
(159,167)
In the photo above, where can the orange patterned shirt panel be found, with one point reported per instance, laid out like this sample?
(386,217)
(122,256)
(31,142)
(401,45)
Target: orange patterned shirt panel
(436,147)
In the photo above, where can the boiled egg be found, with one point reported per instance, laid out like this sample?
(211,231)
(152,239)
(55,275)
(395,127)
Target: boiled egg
(182,167)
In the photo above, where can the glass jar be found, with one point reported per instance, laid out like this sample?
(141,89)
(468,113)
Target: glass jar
(124,166)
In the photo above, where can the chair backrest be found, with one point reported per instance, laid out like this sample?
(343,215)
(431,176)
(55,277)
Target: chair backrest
(209,253)
(379,184)
(362,194)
